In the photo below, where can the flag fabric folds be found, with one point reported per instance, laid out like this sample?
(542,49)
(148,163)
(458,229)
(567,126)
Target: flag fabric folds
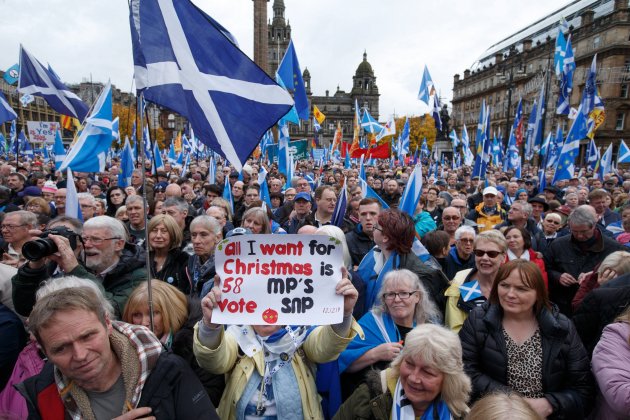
(623,156)
(592,155)
(59,150)
(6,112)
(592,104)
(566,161)
(291,75)
(605,164)
(566,80)
(73,209)
(126,165)
(319,115)
(340,207)
(35,79)
(426,86)
(184,61)
(558,58)
(90,150)
(369,124)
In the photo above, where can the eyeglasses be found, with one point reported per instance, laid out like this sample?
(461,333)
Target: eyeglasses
(10,227)
(401,295)
(492,254)
(448,218)
(467,241)
(95,241)
(555,222)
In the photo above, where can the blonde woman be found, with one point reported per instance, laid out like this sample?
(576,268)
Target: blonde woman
(500,406)
(168,261)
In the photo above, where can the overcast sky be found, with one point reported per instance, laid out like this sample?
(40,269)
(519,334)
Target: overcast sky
(83,38)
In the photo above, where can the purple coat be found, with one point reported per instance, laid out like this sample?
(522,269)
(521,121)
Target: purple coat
(611,368)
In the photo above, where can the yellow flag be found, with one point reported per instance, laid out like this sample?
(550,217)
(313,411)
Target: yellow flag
(318,114)
(178,142)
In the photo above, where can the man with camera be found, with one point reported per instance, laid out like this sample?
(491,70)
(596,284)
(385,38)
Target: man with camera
(98,250)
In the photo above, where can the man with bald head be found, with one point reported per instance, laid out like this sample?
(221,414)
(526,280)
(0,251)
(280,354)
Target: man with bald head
(173,190)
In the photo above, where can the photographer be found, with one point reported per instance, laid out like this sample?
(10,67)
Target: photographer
(119,266)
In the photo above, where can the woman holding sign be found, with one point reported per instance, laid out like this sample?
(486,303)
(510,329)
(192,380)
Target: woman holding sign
(268,366)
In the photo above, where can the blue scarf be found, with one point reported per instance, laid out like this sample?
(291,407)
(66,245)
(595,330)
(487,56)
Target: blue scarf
(372,278)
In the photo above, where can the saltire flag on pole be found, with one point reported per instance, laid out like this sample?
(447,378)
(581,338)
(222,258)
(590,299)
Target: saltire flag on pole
(605,165)
(171,154)
(73,209)
(264,188)
(389,129)
(436,113)
(90,150)
(555,148)
(404,137)
(115,130)
(369,124)
(427,89)
(291,75)
(566,80)
(424,150)
(6,112)
(157,158)
(35,79)
(59,150)
(185,61)
(126,165)
(592,155)
(566,162)
(28,150)
(529,134)
(480,140)
(284,159)
(623,156)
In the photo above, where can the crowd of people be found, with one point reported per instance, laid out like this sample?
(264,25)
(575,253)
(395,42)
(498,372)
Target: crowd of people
(495,299)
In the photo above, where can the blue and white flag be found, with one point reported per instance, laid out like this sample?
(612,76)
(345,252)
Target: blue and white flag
(26,99)
(404,138)
(35,79)
(171,154)
(12,74)
(126,165)
(184,61)
(291,74)
(592,155)
(212,171)
(529,133)
(116,130)
(369,124)
(424,149)
(558,58)
(554,148)
(340,207)
(566,162)
(605,163)
(89,152)
(27,149)
(468,154)
(436,113)
(368,192)
(413,191)
(480,140)
(426,86)
(227,193)
(284,159)
(6,112)
(623,156)
(73,208)
(316,126)
(566,82)
(264,187)
(157,158)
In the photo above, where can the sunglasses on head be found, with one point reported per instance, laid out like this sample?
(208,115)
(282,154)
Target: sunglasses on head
(491,254)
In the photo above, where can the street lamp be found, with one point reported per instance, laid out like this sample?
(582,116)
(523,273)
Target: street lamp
(512,60)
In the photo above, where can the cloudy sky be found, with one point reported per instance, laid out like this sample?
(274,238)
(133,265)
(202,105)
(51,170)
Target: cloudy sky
(90,38)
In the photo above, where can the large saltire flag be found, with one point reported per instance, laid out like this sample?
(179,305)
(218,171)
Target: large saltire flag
(35,79)
(427,88)
(186,61)
(566,162)
(319,115)
(623,156)
(90,150)
(369,124)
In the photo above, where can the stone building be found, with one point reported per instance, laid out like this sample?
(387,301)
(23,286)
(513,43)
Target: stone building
(517,66)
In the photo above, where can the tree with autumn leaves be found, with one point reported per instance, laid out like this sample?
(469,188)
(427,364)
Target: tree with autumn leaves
(126,117)
(420,127)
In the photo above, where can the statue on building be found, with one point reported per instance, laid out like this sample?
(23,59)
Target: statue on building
(446,129)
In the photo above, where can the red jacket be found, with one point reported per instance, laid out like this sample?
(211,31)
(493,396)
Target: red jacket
(533,257)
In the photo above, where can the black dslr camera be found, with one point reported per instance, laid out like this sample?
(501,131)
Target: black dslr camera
(44,246)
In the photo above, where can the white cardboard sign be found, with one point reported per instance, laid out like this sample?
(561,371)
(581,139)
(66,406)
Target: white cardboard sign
(279,280)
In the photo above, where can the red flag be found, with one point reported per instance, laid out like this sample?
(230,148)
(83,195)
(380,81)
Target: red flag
(378,152)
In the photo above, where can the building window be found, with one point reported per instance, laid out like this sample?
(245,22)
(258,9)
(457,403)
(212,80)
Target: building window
(624,91)
(620,121)
(597,40)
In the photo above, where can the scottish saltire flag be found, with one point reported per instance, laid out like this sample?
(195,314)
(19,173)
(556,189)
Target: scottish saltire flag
(368,192)
(284,160)
(73,209)
(90,150)
(404,136)
(470,291)
(566,161)
(12,74)
(126,165)
(340,207)
(316,125)
(605,165)
(157,158)
(12,131)
(389,129)
(264,188)
(454,139)
(369,124)
(26,99)
(171,154)
(212,171)
(468,154)
(6,112)
(291,75)
(537,134)
(424,149)
(566,80)
(513,157)
(558,58)
(497,153)
(436,113)
(623,156)
(346,161)
(592,105)
(426,86)
(592,155)
(544,149)
(116,130)
(413,191)
(185,166)
(4,146)
(555,148)
(146,140)
(184,61)
(27,149)
(480,140)
(35,79)
(487,144)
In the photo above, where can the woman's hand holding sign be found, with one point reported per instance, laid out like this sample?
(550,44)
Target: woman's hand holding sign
(348,291)
(210,301)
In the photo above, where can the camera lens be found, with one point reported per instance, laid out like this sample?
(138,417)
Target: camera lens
(38,249)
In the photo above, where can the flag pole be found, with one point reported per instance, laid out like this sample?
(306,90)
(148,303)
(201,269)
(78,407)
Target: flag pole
(146,212)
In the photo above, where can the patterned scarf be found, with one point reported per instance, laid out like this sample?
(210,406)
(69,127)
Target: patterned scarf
(403,410)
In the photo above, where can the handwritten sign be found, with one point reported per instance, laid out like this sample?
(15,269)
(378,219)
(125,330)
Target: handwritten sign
(279,280)
(42,131)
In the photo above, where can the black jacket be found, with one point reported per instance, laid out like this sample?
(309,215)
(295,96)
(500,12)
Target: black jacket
(567,380)
(359,244)
(172,391)
(599,308)
(174,270)
(564,255)
(183,347)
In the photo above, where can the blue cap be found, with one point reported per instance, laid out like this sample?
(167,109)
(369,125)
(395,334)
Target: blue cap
(303,196)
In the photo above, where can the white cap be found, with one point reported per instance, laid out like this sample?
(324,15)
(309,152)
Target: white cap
(490,190)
